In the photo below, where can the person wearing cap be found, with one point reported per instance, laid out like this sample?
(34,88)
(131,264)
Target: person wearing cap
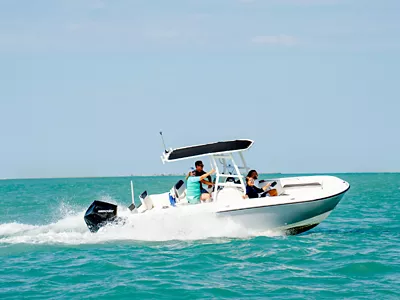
(199,172)
(194,194)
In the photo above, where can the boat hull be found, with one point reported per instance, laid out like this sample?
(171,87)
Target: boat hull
(289,218)
(303,203)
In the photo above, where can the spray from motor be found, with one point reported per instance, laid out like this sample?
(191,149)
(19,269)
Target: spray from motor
(159,227)
(102,213)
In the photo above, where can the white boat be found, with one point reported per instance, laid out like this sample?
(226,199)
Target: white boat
(301,202)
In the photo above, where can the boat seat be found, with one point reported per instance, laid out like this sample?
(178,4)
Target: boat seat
(179,191)
(147,203)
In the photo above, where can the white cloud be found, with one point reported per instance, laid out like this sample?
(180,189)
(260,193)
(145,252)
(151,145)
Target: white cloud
(285,40)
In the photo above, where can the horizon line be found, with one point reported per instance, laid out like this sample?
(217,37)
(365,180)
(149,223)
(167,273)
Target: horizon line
(183,174)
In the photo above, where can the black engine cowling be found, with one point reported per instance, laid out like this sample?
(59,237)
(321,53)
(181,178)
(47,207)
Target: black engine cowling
(99,214)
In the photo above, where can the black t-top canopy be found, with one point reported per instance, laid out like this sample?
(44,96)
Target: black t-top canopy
(207,149)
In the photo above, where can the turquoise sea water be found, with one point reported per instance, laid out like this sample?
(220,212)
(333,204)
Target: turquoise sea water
(47,252)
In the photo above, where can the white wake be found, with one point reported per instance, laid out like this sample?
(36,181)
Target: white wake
(71,229)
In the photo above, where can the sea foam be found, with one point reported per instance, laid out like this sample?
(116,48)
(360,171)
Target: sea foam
(165,226)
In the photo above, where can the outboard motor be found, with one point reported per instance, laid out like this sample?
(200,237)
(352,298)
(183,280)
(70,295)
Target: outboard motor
(99,214)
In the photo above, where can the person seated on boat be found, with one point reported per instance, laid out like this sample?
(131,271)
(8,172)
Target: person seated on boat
(253,174)
(255,192)
(194,194)
(199,172)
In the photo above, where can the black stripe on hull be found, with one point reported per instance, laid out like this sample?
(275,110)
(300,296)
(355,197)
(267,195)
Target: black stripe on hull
(299,229)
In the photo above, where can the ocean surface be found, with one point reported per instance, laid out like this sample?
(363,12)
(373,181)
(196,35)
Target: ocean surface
(47,252)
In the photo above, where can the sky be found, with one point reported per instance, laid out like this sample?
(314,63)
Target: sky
(86,86)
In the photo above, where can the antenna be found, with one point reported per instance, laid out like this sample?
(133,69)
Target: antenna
(132,206)
(132,193)
(162,138)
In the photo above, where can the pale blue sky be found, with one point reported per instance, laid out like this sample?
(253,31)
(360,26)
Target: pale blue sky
(85,86)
